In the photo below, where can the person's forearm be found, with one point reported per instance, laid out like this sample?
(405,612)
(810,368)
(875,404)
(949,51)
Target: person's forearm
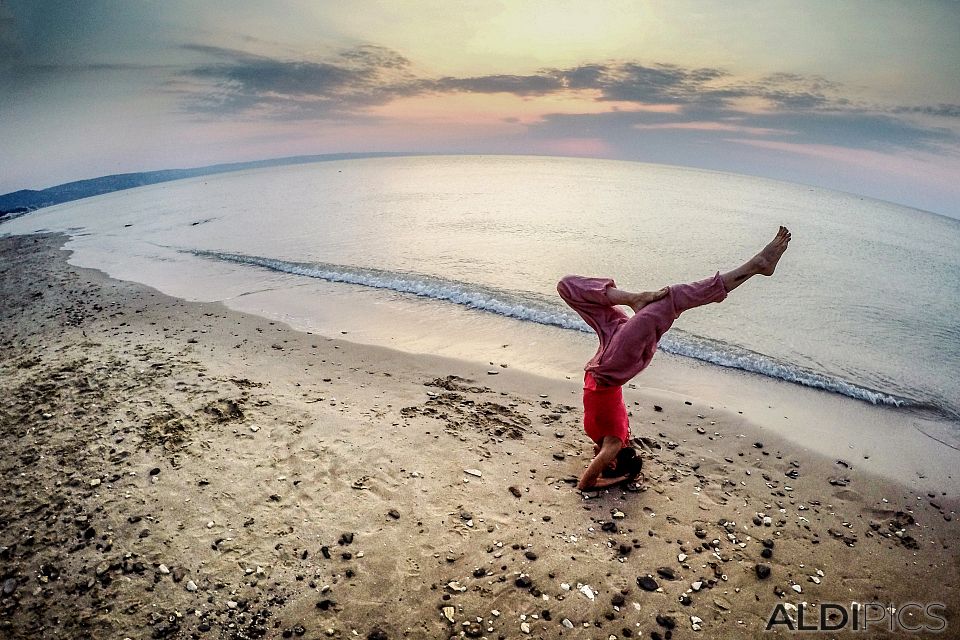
(596,467)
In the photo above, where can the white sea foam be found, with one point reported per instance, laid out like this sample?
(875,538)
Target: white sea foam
(530,307)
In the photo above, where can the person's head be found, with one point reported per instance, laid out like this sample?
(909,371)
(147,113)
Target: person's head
(628,462)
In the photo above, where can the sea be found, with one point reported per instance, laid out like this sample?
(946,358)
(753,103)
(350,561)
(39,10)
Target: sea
(865,303)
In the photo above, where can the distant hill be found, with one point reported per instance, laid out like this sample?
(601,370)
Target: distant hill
(18,203)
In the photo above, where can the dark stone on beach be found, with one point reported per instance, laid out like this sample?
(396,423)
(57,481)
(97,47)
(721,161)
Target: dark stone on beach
(479,572)
(685,600)
(700,533)
(647,583)
(299,630)
(345,539)
(657,408)
(688,403)
(838,481)
(325,604)
(625,549)
(178,574)
(515,491)
(667,622)
(473,630)
(763,571)
(546,615)
(609,527)
(346,555)
(325,552)
(757,520)
(666,572)
(155,471)
(393,513)
(793,474)
(768,543)
(274,497)
(9,586)
(766,553)
(758,445)
(524,582)
(530,555)
(559,456)
(618,600)
(655,635)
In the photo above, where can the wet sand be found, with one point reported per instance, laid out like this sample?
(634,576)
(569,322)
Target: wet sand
(176,469)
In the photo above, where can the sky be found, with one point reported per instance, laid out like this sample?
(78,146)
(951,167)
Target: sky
(862,97)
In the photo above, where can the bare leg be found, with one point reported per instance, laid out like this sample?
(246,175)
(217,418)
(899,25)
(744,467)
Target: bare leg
(764,263)
(635,301)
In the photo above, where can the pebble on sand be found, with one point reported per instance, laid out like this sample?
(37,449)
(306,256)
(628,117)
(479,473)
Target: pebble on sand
(696,623)
(647,583)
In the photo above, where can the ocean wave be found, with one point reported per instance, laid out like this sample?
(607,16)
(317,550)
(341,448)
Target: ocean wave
(531,307)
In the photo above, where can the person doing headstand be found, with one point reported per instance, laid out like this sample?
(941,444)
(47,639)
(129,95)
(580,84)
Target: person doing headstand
(627,345)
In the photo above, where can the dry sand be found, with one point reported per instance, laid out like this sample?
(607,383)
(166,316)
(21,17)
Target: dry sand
(175,469)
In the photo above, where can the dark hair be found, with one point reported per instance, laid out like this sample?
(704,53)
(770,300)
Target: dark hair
(629,463)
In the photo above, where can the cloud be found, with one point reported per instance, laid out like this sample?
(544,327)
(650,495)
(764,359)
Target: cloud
(633,130)
(728,127)
(529,85)
(652,84)
(939,110)
(239,83)
(369,75)
(706,102)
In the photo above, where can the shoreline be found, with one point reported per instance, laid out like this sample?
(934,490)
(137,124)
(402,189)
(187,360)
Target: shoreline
(880,438)
(244,449)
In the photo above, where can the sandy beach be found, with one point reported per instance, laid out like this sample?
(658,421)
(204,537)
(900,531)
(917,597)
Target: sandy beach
(182,470)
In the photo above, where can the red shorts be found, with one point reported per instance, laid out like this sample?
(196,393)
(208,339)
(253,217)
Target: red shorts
(604,413)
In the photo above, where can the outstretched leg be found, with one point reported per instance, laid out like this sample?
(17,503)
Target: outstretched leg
(764,263)
(632,346)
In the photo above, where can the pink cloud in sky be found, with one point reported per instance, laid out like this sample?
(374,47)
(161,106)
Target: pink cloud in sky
(589,147)
(715,126)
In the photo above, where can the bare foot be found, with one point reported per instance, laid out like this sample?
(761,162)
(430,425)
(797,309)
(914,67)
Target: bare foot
(766,261)
(642,299)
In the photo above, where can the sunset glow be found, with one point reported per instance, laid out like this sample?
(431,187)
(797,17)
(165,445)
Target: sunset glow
(112,87)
